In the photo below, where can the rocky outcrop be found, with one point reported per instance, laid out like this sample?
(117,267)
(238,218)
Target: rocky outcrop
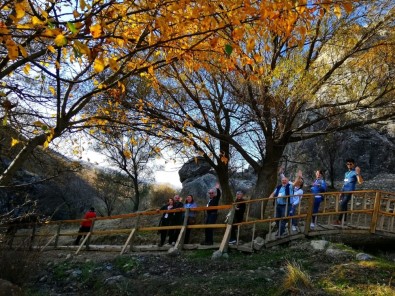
(194,168)
(197,178)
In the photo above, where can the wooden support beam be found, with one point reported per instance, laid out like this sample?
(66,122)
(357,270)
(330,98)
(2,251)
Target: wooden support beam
(83,243)
(128,240)
(50,241)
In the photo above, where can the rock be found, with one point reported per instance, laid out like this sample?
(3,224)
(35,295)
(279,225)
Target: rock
(9,289)
(319,245)
(199,187)
(336,253)
(173,252)
(363,257)
(216,255)
(114,279)
(76,273)
(195,167)
(258,243)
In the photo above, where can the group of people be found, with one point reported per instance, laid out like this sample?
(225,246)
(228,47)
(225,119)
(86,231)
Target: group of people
(287,199)
(211,216)
(319,186)
(176,218)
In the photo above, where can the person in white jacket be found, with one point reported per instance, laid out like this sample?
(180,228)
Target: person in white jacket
(295,200)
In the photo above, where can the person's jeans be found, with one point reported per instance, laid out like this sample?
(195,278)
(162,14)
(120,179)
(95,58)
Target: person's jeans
(316,207)
(209,232)
(280,212)
(344,199)
(292,212)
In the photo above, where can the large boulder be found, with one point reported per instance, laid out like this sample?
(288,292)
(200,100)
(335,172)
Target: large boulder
(199,187)
(194,168)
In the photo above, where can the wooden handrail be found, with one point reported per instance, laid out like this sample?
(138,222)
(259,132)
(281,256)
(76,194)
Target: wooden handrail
(360,206)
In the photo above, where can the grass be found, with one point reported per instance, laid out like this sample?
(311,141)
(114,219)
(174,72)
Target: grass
(125,263)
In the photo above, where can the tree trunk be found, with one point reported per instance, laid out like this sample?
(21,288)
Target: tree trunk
(223,179)
(19,160)
(136,195)
(267,179)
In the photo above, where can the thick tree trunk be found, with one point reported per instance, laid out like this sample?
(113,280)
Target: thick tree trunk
(22,156)
(267,179)
(223,179)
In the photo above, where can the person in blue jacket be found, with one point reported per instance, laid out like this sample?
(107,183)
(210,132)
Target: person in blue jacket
(318,186)
(351,177)
(282,193)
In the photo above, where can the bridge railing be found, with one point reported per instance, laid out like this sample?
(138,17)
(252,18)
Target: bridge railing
(368,211)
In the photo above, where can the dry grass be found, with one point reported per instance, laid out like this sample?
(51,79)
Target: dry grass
(296,281)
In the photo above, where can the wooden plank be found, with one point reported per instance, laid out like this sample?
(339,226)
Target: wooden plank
(377,203)
(50,241)
(128,240)
(83,243)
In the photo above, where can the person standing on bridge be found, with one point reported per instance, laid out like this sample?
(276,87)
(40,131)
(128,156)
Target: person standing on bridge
(351,177)
(282,203)
(189,204)
(239,216)
(319,186)
(86,224)
(166,220)
(214,195)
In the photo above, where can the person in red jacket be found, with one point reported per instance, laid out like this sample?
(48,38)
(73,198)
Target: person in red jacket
(86,224)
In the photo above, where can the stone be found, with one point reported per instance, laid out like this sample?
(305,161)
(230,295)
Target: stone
(216,255)
(319,245)
(173,252)
(258,243)
(335,253)
(195,167)
(363,257)
(114,279)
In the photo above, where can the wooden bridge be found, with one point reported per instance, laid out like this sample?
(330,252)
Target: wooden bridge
(370,213)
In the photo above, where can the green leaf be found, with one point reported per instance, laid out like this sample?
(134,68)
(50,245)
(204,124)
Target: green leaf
(4,121)
(71,27)
(228,49)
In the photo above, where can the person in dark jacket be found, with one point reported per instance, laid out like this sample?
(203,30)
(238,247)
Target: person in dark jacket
(178,218)
(239,215)
(86,224)
(211,215)
(166,220)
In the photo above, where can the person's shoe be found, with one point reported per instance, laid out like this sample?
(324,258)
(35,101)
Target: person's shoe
(232,242)
(312,225)
(294,228)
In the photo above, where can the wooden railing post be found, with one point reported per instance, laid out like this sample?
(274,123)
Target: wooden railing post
(181,236)
(223,248)
(32,236)
(88,240)
(57,235)
(376,210)
(309,216)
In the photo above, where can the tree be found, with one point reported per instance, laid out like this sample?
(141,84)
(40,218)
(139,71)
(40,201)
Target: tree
(52,53)
(130,152)
(297,81)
